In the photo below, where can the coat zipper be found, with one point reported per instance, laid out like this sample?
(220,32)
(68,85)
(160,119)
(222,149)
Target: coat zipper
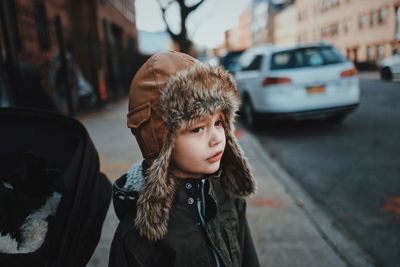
(201,209)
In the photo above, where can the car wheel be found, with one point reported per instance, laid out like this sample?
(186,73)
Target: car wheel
(248,114)
(337,119)
(386,74)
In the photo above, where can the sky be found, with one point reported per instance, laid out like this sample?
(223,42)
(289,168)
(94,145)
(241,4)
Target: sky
(206,25)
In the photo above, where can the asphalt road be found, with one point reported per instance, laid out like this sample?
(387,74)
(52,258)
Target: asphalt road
(353,169)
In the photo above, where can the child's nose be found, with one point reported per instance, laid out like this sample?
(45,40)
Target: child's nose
(216,137)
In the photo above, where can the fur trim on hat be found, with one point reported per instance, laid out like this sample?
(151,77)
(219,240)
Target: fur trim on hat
(237,177)
(156,198)
(198,92)
(187,96)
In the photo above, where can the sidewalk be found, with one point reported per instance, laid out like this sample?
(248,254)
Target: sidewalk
(288,229)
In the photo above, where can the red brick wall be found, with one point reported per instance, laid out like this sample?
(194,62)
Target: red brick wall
(110,13)
(31,52)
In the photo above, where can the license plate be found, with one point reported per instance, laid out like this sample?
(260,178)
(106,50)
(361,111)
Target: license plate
(316,90)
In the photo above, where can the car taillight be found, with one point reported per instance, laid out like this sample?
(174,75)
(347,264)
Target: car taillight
(349,72)
(275,80)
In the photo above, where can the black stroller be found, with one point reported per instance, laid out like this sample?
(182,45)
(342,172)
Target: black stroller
(49,167)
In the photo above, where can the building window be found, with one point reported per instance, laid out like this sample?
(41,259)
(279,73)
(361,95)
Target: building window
(328,4)
(370,53)
(348,25)
(382,13)
(373,19)
(362,21)
(381,51)
(302,15)
(330,30)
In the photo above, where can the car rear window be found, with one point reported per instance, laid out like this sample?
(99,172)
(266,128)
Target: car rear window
(306,57)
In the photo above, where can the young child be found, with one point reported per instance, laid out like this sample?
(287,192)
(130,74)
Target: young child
(183,205)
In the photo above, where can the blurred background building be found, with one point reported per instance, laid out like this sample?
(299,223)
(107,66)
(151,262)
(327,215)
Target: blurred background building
(91,44)
(240,38)
(263,22)
(67,54)
(366,31)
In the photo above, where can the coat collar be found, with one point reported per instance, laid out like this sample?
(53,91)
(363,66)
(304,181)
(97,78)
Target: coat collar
(189,190)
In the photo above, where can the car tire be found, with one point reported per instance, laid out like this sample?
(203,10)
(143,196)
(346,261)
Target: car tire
(386,74)
(248,114)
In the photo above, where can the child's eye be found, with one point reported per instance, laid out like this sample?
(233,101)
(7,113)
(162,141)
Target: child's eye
(197,129)
(219,123)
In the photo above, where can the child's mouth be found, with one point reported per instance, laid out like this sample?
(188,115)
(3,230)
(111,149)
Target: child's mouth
(216,157)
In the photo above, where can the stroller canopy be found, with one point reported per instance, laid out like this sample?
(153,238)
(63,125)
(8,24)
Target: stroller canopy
(74,230)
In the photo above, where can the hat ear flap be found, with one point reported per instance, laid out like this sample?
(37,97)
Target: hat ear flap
(237,176)
(155,200)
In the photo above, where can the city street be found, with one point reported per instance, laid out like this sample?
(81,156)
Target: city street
(327,190)
(352,170)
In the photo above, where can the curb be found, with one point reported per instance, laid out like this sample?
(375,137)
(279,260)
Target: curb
(346,248)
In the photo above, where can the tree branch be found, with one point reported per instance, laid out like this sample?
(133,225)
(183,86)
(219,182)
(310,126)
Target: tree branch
(187,9)
(174,36)
(192,8)
(167,6)
(181,38)
(204,19)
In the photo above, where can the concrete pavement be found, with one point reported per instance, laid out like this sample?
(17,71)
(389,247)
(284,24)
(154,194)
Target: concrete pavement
(288,229)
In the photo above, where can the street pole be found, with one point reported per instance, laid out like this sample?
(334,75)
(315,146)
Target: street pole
(10,62)
(64,68)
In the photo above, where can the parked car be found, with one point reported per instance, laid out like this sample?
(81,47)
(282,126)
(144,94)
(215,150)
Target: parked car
(390,67)
(230,61)
(297,82)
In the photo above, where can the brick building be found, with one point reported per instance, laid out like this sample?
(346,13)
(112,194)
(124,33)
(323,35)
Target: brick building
(117,35)
(365,30)
(286,26)
(100,35)
(31,28)
(262,26)
(256,25)
(240,37)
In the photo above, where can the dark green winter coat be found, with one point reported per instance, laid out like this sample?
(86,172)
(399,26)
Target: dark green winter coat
(222,236)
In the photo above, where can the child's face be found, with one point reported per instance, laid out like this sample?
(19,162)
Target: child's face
(198,149)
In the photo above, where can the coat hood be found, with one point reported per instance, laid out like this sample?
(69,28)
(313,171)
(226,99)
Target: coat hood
(168,93)
(126,190)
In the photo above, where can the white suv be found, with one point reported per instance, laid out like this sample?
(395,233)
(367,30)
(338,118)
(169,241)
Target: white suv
(297,82)
(390,67)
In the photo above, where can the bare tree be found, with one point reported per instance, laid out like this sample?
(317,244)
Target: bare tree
(180,38)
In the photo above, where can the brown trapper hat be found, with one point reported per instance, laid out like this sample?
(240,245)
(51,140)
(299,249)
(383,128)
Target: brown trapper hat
(168,93)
